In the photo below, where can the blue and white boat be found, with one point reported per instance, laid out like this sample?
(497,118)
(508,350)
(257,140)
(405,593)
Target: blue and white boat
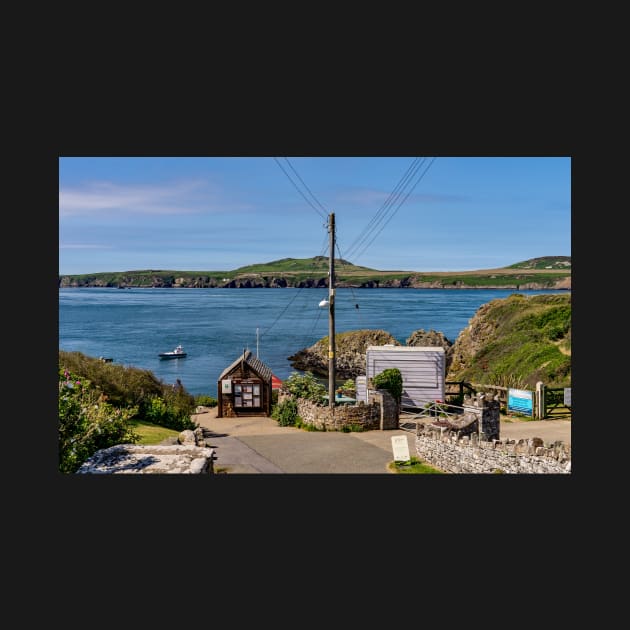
(178,353)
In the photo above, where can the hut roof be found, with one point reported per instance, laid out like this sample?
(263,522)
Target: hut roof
(264,371)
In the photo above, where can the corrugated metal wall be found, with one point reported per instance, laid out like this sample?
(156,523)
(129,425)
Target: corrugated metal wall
(422,370)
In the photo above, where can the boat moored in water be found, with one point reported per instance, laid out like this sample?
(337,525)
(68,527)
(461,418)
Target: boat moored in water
(178,353)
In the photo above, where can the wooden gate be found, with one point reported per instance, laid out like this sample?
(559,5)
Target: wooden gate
(555,406)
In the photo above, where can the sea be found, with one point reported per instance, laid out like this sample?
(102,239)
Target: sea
(214,326)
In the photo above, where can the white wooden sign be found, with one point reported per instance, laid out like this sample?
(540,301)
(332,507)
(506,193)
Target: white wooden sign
(400,446)
(226,387)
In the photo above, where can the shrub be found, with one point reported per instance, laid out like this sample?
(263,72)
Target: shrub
(286,413)
(158,411)
(391,381)
(87,423)
(126,387)
(305,386)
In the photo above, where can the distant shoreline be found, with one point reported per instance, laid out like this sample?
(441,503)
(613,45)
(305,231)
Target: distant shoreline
(341,286)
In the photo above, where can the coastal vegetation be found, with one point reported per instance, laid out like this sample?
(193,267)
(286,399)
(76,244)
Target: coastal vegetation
(516,342)
(87,422)
(551,272)
(102,404)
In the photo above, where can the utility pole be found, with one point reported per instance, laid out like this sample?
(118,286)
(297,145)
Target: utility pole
(331,311)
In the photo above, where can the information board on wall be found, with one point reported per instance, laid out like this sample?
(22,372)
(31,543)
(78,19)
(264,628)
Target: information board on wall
(226,387)
(521,401)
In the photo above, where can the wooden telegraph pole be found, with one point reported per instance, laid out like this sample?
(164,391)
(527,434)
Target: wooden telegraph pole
(331,313)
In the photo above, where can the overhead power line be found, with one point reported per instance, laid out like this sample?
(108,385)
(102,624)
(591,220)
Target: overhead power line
(396,209)
(308,201)
(305,186)
(362,237)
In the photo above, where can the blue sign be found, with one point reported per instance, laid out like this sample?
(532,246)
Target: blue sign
(521,401)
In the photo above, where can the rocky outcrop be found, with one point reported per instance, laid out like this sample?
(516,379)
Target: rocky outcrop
(187,455)
(471,340)
(351,348)
(350,359)
(421,338)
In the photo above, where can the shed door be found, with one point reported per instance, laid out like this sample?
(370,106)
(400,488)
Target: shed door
(248,393)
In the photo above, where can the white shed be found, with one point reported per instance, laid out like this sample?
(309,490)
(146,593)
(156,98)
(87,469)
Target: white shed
(422,369)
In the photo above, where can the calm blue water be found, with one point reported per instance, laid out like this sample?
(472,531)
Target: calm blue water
(214,325)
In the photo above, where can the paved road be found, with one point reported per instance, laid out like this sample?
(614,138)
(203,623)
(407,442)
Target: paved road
(257,445)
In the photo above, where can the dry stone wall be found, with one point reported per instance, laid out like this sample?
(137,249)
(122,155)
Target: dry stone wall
(448,450)
(381,412)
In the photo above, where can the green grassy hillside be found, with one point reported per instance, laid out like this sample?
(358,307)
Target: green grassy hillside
(293,265)
(545,262)
(515,342)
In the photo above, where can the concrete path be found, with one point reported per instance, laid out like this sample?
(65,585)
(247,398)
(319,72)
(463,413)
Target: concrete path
(258,445)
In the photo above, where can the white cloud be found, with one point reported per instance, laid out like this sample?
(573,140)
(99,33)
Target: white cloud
(188,197)
(83,246)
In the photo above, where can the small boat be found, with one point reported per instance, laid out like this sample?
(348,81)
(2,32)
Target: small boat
(178,353)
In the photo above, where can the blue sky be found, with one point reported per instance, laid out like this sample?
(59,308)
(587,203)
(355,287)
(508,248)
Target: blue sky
(391,213)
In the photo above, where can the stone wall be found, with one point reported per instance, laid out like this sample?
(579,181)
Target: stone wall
(389,412)
(452,452)
(188,456)
(380,413)
(479,415)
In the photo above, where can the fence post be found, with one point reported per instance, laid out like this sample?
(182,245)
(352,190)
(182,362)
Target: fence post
(541,411)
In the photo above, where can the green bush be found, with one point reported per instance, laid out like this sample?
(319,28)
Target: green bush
(158,411)
(391,381)
(305,386)
(87,423)
(286,413)
(125,387)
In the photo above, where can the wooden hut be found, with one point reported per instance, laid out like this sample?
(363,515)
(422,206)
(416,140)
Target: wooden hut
(244,388)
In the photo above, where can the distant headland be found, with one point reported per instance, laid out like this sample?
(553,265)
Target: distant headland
(548,272)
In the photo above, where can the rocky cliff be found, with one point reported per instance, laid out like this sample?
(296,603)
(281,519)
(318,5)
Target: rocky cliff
(259,281)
